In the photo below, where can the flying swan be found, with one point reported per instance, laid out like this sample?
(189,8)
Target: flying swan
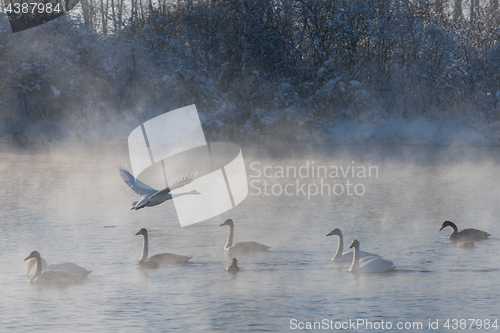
(242,247)
(51,277)
(369,264)
(158,259)
(347,256)
(150,196)
(465,234)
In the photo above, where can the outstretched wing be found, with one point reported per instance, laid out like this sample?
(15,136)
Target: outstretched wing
(178,184)
(183,181)
(136,185)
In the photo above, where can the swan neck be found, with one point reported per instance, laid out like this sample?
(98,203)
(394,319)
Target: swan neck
(340,247)
(455,230)
(38,271)
(144,248)
(355,260)
(229,242)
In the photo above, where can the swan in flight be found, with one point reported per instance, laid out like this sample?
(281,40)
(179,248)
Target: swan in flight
(369,264)
(242,247)
(150,196)
(51,277)
(465,234)
(347,256)
(233,268)
(158,259)
(67,267)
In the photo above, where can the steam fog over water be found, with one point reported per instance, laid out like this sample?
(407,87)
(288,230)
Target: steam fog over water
(71,205)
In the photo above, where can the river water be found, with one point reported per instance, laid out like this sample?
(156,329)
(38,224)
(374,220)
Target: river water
(71,205)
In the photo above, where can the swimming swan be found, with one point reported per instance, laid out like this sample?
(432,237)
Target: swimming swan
(369,264)
(242,247)
(51,277)
(233,268)
(67,267)
(347,256)
(150,196)
(158,259)
(465,234)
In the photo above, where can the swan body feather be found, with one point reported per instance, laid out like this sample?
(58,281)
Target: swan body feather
(67,267)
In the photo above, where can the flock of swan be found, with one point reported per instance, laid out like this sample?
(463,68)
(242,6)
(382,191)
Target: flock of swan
(361,261)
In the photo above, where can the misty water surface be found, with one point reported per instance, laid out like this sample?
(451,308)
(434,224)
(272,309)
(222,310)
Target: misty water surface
(71,205)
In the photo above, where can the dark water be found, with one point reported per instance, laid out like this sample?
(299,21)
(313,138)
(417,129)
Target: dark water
(71,205)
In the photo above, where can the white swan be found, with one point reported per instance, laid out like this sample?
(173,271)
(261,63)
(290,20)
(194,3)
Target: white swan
(150,196)
(347,256)
(465,234)
(158,259)
(67,267)
(233,268)
(242,247)
(51,277)
(369,264)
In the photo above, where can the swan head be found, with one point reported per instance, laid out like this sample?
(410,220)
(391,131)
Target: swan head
(354,244)
(34,254)
(234,261)
(335,231)
(227,222)
(143,231)
(448,224)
